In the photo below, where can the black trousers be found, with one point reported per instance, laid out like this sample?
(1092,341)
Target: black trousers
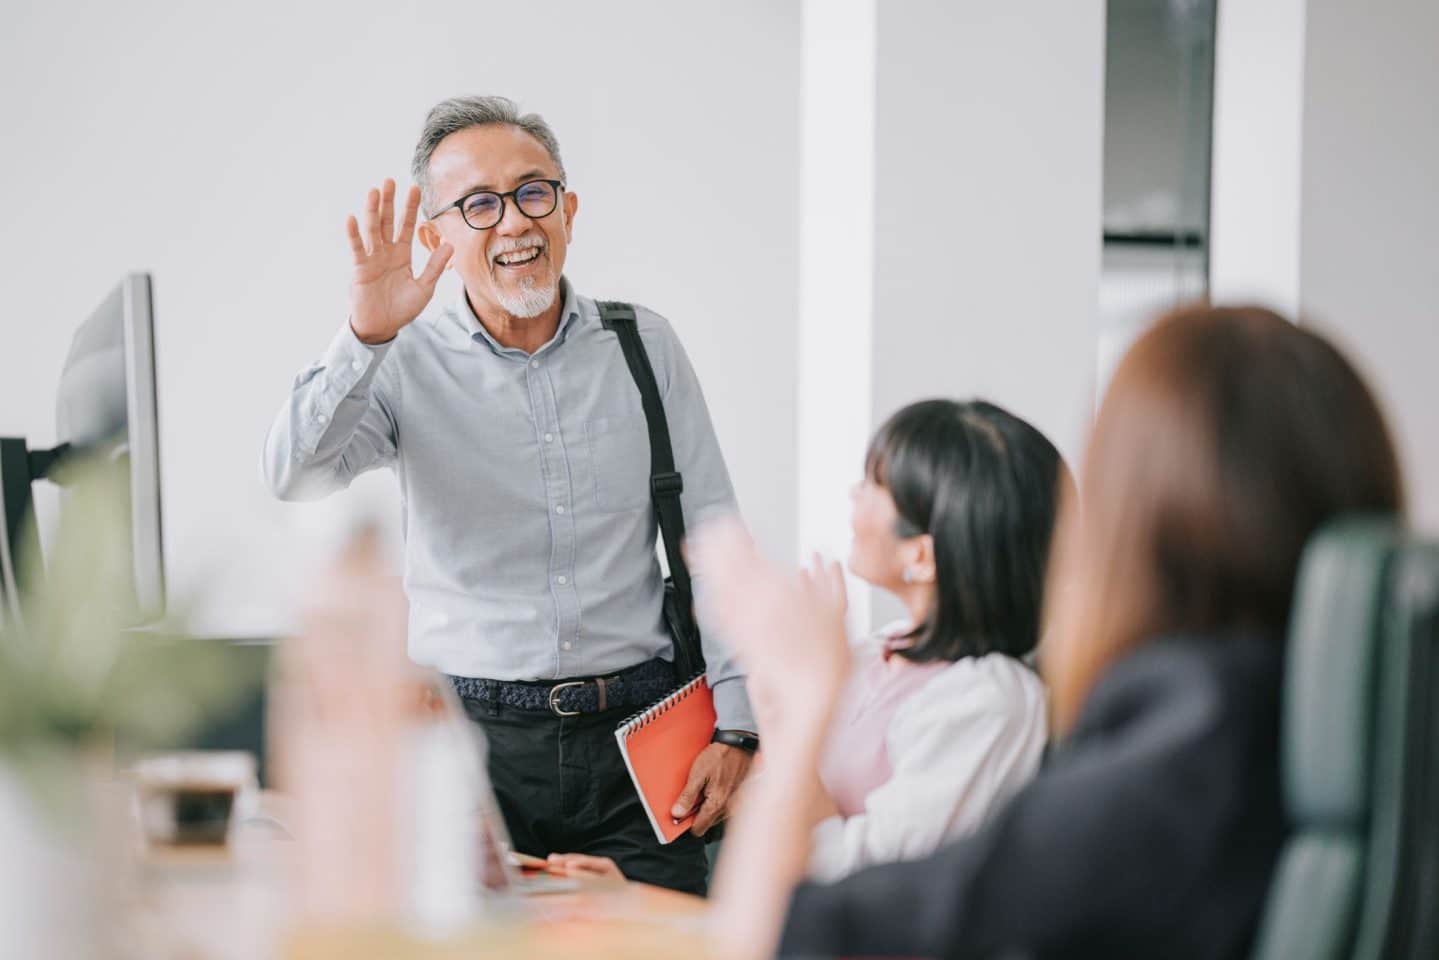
(563,788)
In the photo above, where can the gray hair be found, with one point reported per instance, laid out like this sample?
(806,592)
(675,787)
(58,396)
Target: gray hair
(461,113)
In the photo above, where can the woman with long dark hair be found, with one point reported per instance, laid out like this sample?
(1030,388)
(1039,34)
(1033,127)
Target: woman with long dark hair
(1227,438)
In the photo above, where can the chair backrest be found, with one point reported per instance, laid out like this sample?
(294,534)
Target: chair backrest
(1399,917)
(1358,752)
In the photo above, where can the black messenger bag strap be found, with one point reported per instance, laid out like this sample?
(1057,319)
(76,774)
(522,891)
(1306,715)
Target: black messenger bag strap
(666,484)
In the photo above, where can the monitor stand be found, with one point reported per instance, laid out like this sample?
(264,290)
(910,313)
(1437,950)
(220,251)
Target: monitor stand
(19,541)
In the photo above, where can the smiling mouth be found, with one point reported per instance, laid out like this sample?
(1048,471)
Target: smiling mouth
(518,258)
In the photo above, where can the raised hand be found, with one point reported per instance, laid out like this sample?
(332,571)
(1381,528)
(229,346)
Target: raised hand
(787,629)
(385,294)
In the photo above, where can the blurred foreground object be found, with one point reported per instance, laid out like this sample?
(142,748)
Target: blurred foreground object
(339,705)
(192,798)
(384,802)
(73,680)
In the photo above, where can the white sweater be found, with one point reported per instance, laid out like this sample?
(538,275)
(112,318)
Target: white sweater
(959,746)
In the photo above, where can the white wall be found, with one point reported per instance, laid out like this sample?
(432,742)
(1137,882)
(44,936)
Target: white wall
(1369,268)
(989,134)
(222,145)
(1258,114)
(1325,146)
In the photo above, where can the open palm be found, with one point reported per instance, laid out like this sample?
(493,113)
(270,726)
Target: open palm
(385,294)
(787,629)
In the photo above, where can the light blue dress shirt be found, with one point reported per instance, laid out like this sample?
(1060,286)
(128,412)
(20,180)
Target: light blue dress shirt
(529,533)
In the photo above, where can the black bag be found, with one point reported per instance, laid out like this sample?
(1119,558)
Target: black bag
(666,484)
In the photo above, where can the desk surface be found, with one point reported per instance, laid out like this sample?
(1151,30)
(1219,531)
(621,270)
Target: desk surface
(629,921)
(231,905)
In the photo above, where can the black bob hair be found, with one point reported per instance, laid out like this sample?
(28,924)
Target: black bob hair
(985,485)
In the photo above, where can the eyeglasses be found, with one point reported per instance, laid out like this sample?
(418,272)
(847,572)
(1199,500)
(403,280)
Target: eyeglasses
(484,209)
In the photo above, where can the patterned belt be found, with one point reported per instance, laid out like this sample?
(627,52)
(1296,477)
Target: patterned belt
(636,687)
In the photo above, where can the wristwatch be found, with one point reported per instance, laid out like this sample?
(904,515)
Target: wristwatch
(743,739)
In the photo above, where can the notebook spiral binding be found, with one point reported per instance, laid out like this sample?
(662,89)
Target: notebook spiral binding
(661,707)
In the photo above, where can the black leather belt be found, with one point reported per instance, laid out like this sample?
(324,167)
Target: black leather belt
(634,687)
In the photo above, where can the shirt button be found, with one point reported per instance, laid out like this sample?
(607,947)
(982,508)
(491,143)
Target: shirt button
(567,645)
(560,508)
(321,418)
(562,580)
(549,438)
(356,365)
(534,364)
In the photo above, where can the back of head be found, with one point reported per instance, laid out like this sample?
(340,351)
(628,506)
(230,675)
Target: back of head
(1228,436)
(984,484)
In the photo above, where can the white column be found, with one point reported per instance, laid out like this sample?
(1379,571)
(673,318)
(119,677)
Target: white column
(836,295)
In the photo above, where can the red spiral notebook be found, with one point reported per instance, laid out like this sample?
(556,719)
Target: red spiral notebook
(659,746)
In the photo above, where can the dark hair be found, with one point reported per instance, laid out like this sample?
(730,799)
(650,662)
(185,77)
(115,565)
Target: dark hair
(1228,436)
(985,485)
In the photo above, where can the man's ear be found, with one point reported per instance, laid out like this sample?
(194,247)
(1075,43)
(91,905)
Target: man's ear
(572,204)
(429,236)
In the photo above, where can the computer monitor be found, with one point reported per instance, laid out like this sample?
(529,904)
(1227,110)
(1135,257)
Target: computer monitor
(105,413)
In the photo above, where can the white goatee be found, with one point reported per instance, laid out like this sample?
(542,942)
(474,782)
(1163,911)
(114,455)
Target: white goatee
(530,301)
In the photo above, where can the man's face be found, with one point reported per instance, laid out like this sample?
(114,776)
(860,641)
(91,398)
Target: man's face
(514,267)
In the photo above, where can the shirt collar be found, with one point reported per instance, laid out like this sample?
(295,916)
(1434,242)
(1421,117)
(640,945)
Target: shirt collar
(569,313)
(895,638)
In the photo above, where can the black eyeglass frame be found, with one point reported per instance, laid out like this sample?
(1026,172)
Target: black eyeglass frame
(557,188)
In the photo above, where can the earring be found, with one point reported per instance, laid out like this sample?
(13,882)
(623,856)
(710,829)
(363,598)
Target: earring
(908,575)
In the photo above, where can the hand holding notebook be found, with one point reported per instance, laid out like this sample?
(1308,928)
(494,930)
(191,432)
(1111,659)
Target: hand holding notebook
(659,746)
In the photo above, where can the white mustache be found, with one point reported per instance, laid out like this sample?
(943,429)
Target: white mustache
(514,245)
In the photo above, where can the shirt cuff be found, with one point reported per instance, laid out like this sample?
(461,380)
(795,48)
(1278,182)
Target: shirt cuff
(344,370)
(732,709)
(350,360)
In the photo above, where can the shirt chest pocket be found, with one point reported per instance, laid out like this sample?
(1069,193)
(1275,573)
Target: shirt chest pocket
(620,452)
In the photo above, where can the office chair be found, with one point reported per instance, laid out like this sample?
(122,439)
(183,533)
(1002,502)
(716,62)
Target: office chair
(1358,876)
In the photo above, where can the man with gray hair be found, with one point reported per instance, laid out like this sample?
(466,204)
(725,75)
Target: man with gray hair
(517,434)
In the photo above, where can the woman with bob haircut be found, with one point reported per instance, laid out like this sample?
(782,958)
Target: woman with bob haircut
(1227,438)
(941,719)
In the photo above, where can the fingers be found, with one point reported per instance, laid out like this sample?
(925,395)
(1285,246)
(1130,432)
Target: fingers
(816,576)
(689,797)
(380,221)
(825,581)
(436,265)
(837,585)
(372,220)
(412,210)
(710,813)
(387,210)
(579,864)
(724,551)
(357,246)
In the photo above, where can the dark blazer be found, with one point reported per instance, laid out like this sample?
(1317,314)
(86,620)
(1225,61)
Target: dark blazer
(1152,832)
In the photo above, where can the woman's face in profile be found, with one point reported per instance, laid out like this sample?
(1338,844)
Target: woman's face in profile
(876,555)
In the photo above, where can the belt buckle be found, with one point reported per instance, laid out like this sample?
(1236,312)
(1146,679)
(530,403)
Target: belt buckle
(554,692)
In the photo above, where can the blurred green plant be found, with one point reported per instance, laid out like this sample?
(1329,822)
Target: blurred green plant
(75,676)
